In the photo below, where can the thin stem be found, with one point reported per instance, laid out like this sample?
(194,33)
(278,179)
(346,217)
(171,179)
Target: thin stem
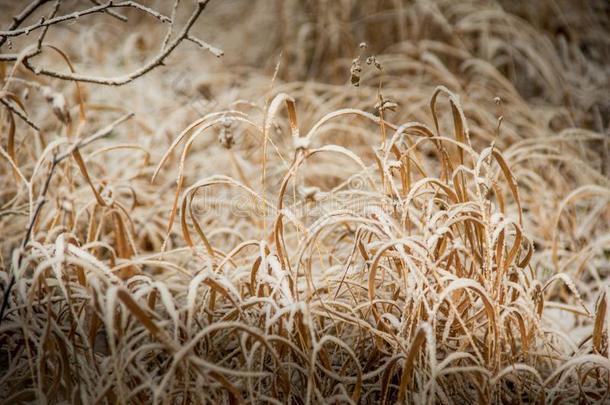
(18,19)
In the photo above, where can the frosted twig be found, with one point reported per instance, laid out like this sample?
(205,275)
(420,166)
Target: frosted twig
(75,15)
(46,29)
(121,80)
(171,25)
(105,8)
(18,19)
(113,13)
(20,114)
(215,51)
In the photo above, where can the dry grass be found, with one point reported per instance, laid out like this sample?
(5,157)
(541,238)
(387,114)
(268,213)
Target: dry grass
(257,229)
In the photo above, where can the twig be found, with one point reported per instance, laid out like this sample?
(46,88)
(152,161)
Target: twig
(46,29)
(113,13)
(18,19)
(171,25)
(102,8)
(215,51)
(8,57)
(75,15)
(20,114)
(121,80)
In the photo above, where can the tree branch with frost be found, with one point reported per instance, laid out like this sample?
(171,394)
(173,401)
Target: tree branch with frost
(22,115)
(75,15)
(19,18)
(167,48)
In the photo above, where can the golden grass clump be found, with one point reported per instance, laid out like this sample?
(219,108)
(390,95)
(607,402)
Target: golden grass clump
(411,204)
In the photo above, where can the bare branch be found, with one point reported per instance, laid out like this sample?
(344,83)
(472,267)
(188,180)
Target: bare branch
(18,19)
(8,57)
(121,80)
(112,13)
(77,14)
(215,51)
(171,25)
(107,8)
(20,114)
(46,29)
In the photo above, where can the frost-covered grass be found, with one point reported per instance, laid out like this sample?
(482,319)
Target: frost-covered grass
(256,228)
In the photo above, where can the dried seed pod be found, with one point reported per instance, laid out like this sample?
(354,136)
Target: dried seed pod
(372,60)
(355,71)
(225,137)
(58,104)
(386,104)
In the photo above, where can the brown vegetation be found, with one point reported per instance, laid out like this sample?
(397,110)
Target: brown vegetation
(356,202)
